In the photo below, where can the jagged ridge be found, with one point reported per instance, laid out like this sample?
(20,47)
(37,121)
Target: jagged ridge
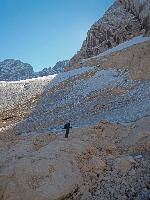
(124,20)
(13,70)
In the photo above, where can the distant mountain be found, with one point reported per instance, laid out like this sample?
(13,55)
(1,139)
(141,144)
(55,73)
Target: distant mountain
(124,20)
(13,70)
(58,68)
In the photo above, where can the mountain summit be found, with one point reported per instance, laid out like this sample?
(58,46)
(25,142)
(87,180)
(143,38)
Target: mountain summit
(11,70)
(124,20)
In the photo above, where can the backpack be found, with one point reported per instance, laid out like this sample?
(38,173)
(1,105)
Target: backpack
(65,126)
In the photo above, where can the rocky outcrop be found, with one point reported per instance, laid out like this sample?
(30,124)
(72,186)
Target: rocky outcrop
(12,70)
(123,20)
(58,68)
(141,10)
(135,59)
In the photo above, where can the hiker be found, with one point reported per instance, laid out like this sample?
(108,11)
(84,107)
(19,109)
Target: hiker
(67,127)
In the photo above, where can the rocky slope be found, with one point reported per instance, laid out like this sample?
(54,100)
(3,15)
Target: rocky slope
(105,159)
(132,55)
(124,20)
(107,100)
(84,95)
(100,162)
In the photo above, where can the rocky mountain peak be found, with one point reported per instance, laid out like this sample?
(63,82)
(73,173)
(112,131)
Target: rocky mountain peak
(11,70)
(124,20)
(58,68)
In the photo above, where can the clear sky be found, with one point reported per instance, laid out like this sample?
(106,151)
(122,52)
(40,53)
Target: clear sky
(42,32)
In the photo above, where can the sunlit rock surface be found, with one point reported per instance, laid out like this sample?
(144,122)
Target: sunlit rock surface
(107,99)
(124,20)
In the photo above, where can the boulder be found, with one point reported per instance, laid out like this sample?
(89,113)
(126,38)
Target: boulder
(124,164)
(96,164)
(112,149)
(46,175)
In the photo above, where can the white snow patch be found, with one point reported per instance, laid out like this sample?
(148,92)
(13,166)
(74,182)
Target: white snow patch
(101,80)
(66,75)
(44,78)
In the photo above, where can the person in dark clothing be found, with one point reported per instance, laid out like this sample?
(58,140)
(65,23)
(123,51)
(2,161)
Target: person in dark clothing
(67,127)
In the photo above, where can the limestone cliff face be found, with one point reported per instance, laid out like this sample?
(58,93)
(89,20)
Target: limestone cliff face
(123,20)
(141,9)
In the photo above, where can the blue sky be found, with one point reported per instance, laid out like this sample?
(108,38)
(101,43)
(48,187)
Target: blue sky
(42,32)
